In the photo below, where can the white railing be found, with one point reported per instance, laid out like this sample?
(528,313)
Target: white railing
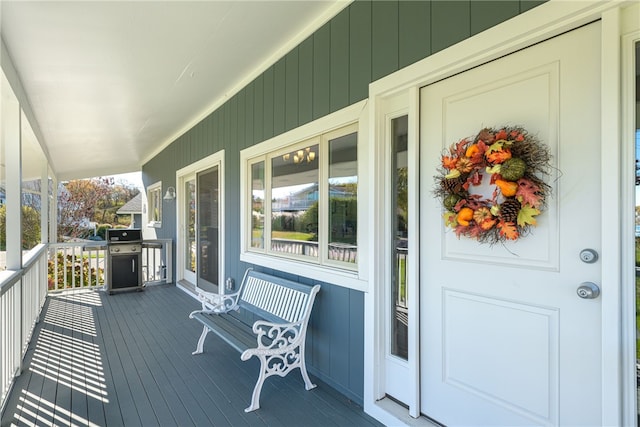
(22,295)
(337,251)
(82,265)
(157,265)
(78,265)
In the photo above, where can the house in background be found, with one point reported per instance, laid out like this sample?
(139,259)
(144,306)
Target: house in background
(133,208)
(416,322)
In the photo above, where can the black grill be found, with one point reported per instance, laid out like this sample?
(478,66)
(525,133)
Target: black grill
(124,259)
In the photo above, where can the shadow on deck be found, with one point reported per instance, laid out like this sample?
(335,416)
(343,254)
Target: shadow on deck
(125,359)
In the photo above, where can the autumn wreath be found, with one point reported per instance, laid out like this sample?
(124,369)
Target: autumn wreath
(516,161)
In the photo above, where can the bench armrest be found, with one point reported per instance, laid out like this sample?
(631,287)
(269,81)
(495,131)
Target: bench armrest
(213,303)
(275,338)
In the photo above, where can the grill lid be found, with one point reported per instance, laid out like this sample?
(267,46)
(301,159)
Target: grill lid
(124,235)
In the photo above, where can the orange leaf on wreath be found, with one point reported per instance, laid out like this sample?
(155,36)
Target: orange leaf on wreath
(501,156)
(449,162)
(501,135)
(486,136)
(508,230)
(460,147)
(528,193)
(475,232)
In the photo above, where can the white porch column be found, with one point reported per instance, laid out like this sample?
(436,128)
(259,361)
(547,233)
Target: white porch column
(13,155)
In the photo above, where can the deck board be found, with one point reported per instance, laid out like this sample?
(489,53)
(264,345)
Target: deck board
(125,360)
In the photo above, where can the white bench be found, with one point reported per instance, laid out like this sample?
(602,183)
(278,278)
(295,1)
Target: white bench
(278,340)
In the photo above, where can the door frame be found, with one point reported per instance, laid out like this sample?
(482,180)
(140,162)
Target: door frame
(390,108)
(630,30)
(525,30)
(182,175)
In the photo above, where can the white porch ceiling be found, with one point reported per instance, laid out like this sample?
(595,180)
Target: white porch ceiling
(112,82)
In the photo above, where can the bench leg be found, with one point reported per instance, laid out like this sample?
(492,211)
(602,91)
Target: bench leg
(308,385)
(205,331)
(255,397)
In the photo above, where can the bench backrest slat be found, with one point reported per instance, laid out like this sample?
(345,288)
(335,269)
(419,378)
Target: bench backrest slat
(275,298)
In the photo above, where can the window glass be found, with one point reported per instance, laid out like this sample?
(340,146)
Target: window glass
(343,202)
(33,163)
(190,231)
(257,205)
(154,199)
(294,202)
(399,251)
(208,212)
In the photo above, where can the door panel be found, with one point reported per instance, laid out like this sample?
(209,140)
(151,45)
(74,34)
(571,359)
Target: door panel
(504,334)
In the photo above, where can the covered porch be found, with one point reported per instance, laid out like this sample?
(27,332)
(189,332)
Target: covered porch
(125,359)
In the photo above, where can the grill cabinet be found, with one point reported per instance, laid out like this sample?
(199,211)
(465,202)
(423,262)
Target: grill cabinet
(124,260)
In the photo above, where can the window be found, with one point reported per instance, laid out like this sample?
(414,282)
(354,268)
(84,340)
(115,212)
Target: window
(303,200)
(154,199)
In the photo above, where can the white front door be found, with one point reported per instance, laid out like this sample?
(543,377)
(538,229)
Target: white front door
(505,339)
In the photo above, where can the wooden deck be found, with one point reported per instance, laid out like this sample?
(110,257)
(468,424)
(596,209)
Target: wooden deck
(125,360)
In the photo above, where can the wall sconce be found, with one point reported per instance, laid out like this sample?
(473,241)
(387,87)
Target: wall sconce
(170,194)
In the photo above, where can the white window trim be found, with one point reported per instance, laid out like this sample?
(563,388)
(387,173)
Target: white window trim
(354,279)
(157,186)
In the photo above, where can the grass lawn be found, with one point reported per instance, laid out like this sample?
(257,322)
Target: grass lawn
(291,235)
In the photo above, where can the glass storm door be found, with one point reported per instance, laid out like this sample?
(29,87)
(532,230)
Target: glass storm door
(208,226)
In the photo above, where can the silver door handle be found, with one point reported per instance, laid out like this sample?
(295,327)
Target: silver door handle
(588,290)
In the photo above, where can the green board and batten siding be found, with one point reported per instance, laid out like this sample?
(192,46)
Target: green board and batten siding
(326,72)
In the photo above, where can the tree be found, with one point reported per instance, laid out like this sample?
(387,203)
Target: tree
(30,227)
(77,204)
(81,202)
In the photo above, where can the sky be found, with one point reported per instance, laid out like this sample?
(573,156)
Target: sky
(134,178)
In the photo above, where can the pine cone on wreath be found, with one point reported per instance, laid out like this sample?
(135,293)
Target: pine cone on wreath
(509,210)
(454,185)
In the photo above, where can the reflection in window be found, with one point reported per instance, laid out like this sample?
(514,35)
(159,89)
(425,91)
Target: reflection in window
(257,205)
(343,202)
(294,202)
(190,252)
(400,310)
(208,189)
(154,199)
